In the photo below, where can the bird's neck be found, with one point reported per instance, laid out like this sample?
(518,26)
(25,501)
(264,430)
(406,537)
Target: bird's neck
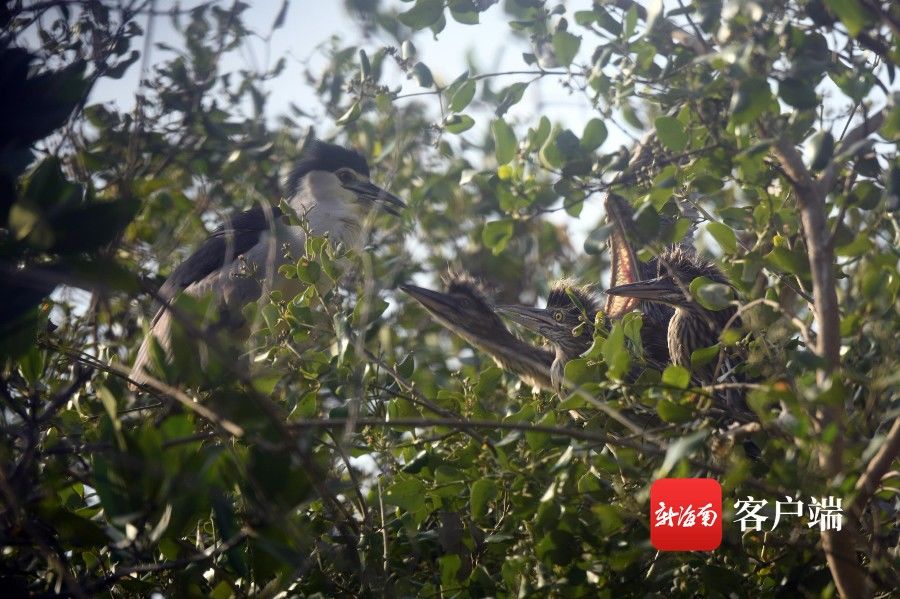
(528,362)
(558,369)
(575,346)
(693,327)
(328,207)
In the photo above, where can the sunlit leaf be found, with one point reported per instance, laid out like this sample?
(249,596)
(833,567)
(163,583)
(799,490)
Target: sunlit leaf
(424,14)
(504,140)
(723,235)
(565,47)
(594,135)
(676,376)
(496,234)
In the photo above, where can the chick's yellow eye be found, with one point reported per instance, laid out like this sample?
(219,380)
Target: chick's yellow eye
(557,316)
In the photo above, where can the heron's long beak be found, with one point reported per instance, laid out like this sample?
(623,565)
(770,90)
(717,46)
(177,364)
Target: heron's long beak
(533,319)
(369,192)
(433,301)
(662,289)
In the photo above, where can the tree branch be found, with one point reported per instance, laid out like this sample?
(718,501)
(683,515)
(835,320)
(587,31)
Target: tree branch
(878,466)
(210,553)
(859,133)
(849,576)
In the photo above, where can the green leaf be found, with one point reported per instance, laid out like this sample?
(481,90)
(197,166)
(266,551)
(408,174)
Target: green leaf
(496,234)
(614,353)
(608,516)
(704,355)
(458,123)
(671,133)
(308,271)
(77,531)
(631,17)
(821,147)
(852,14)
(711,295)
(351,115)
(464,11)
(539,135)
(510,96)
(670,411)
(31,365)
(406,492)
(462,96)
(505,141)
(789,261)
(119,69)
(750,100)
(558,547)
(48,187)
(423,74)
(594,135)
(568,144)
(579,371)
(565,47)
(423,14)
(484,490)
(723,235)
(798,94)
(585,17)
(450,565)
(891,128)
(282,13)
(676,376)
(682,448)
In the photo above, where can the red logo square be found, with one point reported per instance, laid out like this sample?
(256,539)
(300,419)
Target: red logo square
(686,514)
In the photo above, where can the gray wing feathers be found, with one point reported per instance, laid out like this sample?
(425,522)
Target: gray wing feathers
(205,271)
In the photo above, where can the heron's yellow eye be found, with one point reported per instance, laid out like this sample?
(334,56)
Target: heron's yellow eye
(558,316)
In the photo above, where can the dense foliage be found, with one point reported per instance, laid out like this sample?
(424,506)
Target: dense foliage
(363,450)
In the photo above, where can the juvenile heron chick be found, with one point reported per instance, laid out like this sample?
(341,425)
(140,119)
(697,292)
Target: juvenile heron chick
(567,322)
(329,189)
(465,309)
(692,326)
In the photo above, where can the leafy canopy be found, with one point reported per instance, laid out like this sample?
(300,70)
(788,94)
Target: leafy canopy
(364,450)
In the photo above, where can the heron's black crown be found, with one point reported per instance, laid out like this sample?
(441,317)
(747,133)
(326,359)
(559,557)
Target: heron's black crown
(322,156)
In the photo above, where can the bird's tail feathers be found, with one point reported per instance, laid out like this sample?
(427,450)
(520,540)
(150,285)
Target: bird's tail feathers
(162,332)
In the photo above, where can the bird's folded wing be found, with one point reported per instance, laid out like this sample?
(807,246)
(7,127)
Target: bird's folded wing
(234,238)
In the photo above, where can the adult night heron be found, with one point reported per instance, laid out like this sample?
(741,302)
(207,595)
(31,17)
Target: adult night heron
(567,322)
(329,189)
(465,309)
